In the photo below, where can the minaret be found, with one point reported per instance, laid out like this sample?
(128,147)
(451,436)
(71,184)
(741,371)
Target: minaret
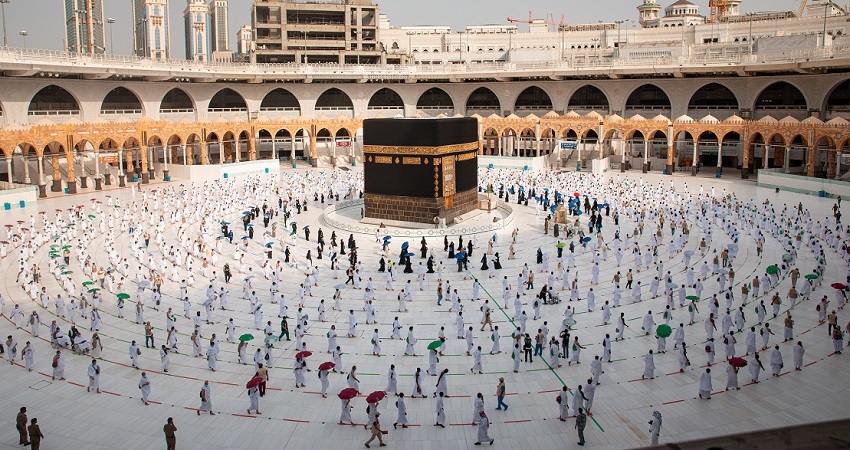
(733,8)
(650,12)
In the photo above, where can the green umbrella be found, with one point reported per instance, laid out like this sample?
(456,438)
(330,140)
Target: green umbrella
(88,283)
(663,331)
(91,216)
(772,270)
(66,247)
(246,337)
(123,296)
(812,276)
(435,345)
(67,272)
(561,245)
(93,290)
(693,298)
(55,255)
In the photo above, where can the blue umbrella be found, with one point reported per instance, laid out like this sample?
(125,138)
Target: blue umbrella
(405,246)
(250,225)
(225,223)
(409,254)
(245,213)
(245,237)
(269,244)
(586,239)
(460,255)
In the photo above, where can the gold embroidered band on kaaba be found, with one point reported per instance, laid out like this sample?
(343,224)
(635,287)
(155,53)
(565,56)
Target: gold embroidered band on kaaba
(441,150)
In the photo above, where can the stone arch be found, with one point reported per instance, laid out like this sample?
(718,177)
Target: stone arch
(837,101)
(490,142)
(780,98)
(648,97)
(334,99)
(385,99)
(176,101)
(278,100)
(713,96)
(483,101)
(121,101)
(175,149)
(214,148)
(589,98)
(227,100)
(53,100)
(526,142)
(437,100)
(533,98)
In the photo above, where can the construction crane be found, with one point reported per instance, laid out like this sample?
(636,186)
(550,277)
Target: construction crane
(802,8)
(718,9)
(549,20)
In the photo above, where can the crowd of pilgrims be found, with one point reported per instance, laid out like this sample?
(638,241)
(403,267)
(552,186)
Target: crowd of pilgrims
(193,246)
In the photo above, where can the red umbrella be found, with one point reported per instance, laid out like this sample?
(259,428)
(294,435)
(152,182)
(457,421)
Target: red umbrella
(9,226)
(376,396)
(302,355)
(20,221)
(839,286)
(576,195)
(738,362)
(347,393)
(254,382)
(326,366)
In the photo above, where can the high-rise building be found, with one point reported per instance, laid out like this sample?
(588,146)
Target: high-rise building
(317,32)
(84,26)
(150,29)
(196,17)
(218,26)
(245,43)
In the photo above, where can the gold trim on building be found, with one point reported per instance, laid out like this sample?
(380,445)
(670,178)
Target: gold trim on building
(383,160)
(442,150)
(414,161)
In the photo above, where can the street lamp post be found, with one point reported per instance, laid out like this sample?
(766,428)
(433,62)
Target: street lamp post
(3,9)
(24,34)
(619,24)
(110,21)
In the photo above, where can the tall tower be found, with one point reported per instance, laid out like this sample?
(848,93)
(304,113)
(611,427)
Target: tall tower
(151,37)
(218,26)
(196,17)
(84,26)
(650,13)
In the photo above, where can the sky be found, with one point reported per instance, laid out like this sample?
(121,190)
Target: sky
(42,19)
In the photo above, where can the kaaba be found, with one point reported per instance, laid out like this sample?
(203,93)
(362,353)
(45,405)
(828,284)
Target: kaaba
(416,170)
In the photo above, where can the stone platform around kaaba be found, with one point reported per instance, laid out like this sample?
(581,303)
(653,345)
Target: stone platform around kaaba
(419,170)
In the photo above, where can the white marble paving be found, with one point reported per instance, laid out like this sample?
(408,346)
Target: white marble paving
(71,418)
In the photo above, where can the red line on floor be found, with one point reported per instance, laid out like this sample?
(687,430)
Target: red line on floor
(674,401)
(243,415)
(518,421)
(111,393)
(809,364)
(296,420)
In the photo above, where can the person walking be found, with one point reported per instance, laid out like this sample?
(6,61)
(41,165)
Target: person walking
(483,427)
(581,422)
(376,432)
(35,434)
(170,437)
(21,425)
(655,427)
(500,395)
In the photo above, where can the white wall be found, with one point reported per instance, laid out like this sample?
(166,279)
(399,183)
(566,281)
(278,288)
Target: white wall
(217,171)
